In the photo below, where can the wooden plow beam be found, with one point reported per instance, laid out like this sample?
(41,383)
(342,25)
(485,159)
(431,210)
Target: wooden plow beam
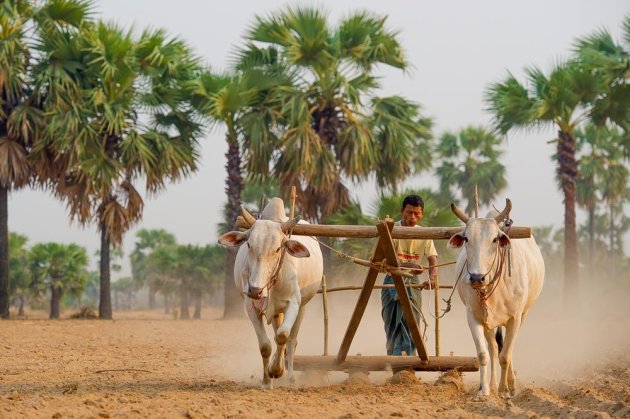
(382,363)
(385,231)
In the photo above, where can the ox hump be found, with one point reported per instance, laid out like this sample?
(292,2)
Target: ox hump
(275,211)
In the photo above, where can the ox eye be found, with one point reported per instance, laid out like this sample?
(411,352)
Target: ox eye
(248,246)
(278,249)
(495,240)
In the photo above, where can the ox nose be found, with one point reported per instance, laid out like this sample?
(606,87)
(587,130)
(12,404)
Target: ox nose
(254,293)
(477,278)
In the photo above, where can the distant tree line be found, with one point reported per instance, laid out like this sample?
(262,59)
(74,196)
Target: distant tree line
(95,114)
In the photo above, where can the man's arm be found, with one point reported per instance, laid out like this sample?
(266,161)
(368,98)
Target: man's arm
(433,271)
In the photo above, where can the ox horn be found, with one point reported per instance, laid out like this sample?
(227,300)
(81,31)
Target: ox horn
(459,213)
(249,219)
(506,211)
(289,224)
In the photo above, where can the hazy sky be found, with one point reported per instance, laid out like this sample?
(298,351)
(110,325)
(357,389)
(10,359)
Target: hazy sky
(456,48)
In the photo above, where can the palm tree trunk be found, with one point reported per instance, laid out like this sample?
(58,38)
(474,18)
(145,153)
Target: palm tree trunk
(55,297)
(234,187)
(611,237)
(21,306)
(105,304)
(567,172)
(4,252)
(591,240)
(183,301)
(152,292)
(611,253)
(197,314)
(167,303)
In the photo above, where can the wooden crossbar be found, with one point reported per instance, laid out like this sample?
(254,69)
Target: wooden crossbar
(398,232)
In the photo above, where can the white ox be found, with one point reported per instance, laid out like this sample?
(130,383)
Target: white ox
(277,276)
(492,297)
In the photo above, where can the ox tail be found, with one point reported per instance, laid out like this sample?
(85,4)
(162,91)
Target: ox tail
(499,338)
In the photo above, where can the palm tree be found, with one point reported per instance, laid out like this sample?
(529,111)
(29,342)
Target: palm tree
(24,28)
(133,121)
(223,98)
(59,267)
(324,126)
(557,100)
(19,273)
(591,171)
(614,185)
(471,158)
(609,61)
(147,241)
(125,286)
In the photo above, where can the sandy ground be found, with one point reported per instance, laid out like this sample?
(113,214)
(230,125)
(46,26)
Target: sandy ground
(145,364)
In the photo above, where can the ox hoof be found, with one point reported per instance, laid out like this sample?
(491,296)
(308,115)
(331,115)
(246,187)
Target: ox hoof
(267,386)
(481,394)
(507,395)
(276,372)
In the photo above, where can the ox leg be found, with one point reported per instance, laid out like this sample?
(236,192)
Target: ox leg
(264,344)
(276,369)
(292,343)
(477,331)
(494,357)
(282,336)
(507,384)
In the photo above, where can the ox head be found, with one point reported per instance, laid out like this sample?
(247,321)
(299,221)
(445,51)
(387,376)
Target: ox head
(266,243)
(482,238)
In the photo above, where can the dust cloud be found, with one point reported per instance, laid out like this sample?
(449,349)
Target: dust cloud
(554,342)
(146,364)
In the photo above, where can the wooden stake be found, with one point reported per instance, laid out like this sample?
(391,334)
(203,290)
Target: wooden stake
(293,196)
(437,318)
(476,198)
(325,301)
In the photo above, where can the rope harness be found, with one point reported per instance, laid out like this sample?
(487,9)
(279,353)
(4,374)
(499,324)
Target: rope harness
(273,279)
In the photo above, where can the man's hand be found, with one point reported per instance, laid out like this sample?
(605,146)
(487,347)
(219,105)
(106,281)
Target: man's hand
(427,285)
(417,269)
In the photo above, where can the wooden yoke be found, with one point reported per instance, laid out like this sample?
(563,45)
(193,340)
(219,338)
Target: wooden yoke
(384,250)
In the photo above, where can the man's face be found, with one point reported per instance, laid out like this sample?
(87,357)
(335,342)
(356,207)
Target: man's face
(411,215)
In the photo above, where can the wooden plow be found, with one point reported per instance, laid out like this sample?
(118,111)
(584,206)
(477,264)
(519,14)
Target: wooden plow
(385,251)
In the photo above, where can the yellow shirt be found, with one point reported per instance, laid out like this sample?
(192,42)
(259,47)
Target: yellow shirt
(414,250)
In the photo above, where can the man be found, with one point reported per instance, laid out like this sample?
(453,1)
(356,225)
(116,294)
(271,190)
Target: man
(410,255)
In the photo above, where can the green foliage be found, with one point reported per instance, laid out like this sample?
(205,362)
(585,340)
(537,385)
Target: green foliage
(19,272)
(62,266)
(167,267)
(319,124)
(609,61)
(471,158)
(131,120)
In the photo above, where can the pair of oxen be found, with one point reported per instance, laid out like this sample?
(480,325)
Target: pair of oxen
(278,275)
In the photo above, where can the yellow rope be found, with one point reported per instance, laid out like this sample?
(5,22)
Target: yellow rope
(379,266)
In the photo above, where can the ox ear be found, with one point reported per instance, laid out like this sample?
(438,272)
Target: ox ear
(296,249)
(232,239)
(504,241)
(457,241)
